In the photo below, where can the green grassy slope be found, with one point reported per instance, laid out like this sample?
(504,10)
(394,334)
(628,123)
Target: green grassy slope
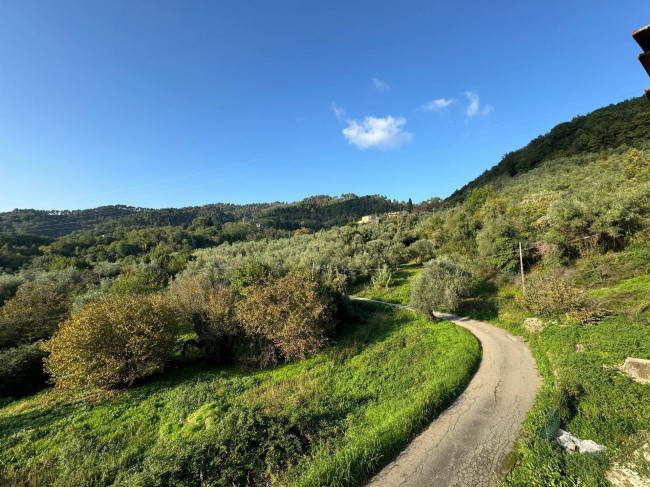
(398,291)
(581,383)
(330,420)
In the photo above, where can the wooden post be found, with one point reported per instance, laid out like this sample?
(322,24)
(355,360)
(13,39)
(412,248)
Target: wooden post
(521,263)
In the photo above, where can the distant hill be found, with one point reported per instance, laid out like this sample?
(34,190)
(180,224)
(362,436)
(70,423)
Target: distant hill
(623,124)
(315,212)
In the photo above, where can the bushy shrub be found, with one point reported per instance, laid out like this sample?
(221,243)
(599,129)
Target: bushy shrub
(636,164)
(21,370)
(211,312)
(191,294)
(220,328)
(106,269)
(551,296)
(9,284)
(59,263)
(289,317)
(113,342)
(93,292)
(252,272)
(33,313)
(382,277)
(421,251)
(441,286)
(139,282)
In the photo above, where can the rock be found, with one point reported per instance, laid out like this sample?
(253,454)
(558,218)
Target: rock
(622,476)
(630,473)
(534,325)
(573,444)
(638,369)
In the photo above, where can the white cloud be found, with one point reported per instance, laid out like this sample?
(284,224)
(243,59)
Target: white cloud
(382,133)
(438,105)
(474,108)
(338,111)
(380,85)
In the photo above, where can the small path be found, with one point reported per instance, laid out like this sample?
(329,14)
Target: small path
(468,443)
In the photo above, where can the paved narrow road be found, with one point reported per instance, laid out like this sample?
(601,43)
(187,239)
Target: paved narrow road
(468,443)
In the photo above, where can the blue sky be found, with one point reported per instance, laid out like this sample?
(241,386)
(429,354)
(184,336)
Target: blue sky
(163,104)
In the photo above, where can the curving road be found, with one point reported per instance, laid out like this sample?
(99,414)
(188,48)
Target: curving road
(468,443)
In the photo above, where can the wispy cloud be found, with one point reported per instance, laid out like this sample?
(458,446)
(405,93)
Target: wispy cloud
(380,86)
(437,105)
(381,133)
(474,106)
(338,111)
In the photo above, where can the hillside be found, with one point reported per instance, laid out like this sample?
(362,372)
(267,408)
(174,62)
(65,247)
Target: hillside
(315,212)
(624,124)
(252,344)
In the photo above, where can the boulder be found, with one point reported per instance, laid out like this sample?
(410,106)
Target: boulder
(638,369)
(631,473)
(622,476)
(573,444)
(534,325)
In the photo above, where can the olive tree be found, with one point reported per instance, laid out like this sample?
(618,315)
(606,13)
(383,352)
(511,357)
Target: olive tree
(441,286)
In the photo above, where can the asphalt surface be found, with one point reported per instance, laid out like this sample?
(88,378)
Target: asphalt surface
(468,443)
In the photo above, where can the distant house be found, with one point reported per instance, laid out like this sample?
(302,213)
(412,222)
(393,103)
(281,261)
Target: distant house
(394,214)
(369,219)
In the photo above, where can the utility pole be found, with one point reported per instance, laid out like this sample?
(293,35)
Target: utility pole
(521,263)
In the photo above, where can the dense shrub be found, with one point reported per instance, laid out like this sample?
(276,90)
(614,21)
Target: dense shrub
(421,251)
(112,342)
(34,312)
(217,332)
(139,282)
(9,284)
(211,312)
(191,295)
(440,286)
(92,292)
(552,296)
(21,370)
(252,272)
(290,317)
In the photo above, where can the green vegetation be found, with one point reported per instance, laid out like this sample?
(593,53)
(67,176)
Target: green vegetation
(583,391)
(112,342)
(249,295)
(314,213)
(581,384)
(441,286)
(620,125)
(329,420)
(399,290)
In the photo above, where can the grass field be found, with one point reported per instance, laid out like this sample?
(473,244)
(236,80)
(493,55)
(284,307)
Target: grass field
(397,292)
(330,420)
